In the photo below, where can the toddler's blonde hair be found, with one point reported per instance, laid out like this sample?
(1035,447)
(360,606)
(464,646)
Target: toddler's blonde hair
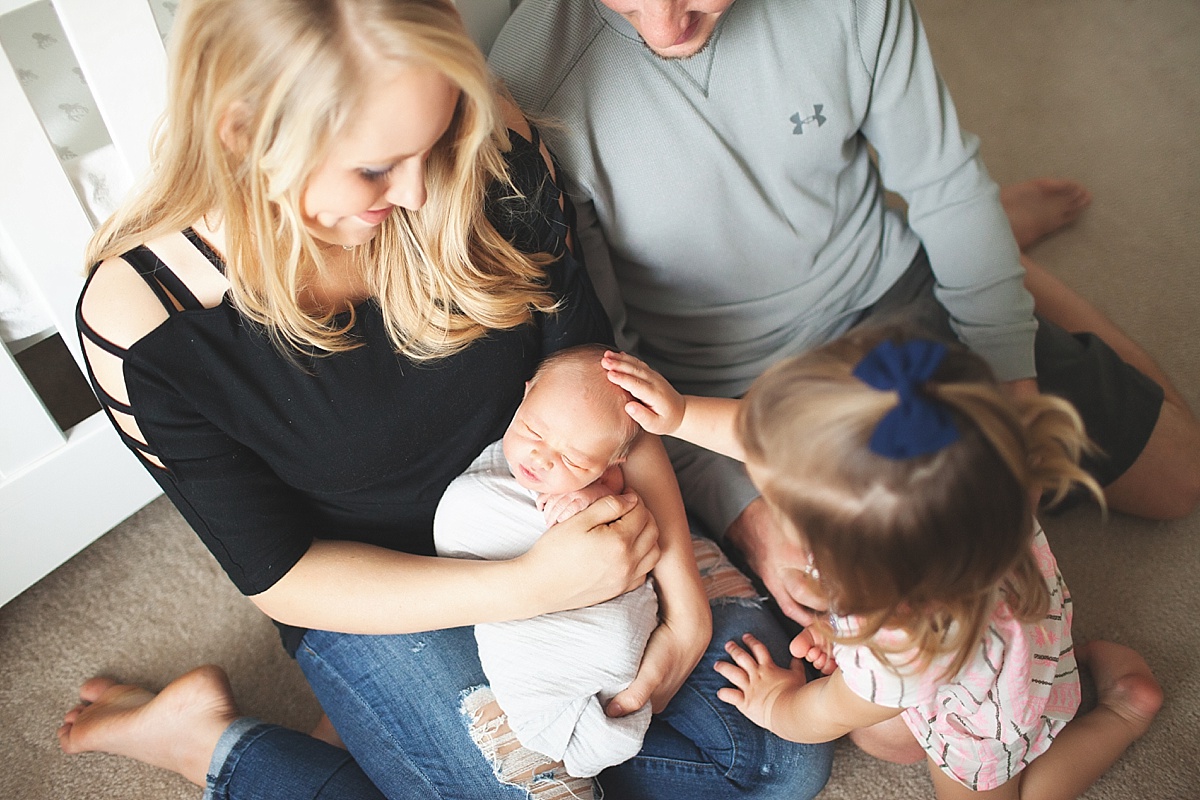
(929,544)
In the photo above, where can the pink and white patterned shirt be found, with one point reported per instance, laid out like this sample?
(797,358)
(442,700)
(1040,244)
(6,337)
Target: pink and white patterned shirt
(1003,708)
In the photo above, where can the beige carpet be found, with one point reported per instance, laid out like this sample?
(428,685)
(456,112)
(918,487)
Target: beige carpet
(1105,91)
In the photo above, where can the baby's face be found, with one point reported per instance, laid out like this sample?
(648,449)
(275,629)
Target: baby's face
(558,442)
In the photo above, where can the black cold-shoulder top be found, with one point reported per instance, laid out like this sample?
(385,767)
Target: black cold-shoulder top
(263,452)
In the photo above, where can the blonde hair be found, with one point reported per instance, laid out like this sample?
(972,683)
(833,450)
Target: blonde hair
(285,76)
(931,544)
(581,365)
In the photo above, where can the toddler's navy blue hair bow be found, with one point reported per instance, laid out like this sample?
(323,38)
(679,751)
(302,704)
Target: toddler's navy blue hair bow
(919,424)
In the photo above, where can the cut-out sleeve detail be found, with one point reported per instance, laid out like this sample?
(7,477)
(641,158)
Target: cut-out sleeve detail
(139,351)
(540,221)
(105,361)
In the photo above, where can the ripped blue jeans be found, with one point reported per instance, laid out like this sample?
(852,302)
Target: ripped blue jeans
(396,702)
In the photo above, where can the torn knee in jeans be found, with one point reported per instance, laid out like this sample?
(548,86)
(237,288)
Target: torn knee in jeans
(721,579)
(513,763)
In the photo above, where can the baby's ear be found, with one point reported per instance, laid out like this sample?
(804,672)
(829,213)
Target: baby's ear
(527,385)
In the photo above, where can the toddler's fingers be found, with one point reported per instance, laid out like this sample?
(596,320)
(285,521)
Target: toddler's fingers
(620,361)
(740,657)
(732,673)
(761,654)
(732,696)
(635,385)
(641,415)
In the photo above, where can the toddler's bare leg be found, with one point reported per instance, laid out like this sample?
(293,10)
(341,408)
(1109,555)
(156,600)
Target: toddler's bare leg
(176,729)
(890,740)
(1129,697)
(1039,207)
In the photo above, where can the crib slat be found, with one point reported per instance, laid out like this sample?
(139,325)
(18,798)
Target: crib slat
(40,215)
(119,50)
(27,431)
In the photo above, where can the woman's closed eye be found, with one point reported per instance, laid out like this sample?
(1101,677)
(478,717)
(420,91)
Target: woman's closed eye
(376,175)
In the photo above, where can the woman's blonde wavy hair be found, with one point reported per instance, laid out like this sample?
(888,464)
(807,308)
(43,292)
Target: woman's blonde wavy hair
(291,73)
(929,545)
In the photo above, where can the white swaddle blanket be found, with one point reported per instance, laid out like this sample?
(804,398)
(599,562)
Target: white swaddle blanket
(551,674)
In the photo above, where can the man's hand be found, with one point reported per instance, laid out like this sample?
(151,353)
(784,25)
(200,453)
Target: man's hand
(783,565)
(1024,387)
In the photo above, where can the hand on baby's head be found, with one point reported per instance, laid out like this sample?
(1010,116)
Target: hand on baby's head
(657,407)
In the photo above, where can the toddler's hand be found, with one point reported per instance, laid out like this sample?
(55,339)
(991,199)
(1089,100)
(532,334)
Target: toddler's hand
(658,407)
(815,649)
(561,507)
(759,682)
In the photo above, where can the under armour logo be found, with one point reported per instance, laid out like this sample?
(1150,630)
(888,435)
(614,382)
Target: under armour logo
(816,117)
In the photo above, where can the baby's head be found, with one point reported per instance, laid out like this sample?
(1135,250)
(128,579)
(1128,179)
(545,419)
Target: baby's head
(939,517)
(571,426)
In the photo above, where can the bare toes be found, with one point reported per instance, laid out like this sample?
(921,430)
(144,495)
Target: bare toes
(91,690)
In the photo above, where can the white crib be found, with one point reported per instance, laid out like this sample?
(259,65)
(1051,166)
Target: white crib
(60,490)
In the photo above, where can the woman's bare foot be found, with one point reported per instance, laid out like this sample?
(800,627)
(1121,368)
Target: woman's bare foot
(1124,683)
(176,729)
(1039,207)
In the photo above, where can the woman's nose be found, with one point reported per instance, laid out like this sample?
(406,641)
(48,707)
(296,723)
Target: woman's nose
(407,186)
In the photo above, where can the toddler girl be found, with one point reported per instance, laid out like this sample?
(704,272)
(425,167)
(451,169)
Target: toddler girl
(911,478)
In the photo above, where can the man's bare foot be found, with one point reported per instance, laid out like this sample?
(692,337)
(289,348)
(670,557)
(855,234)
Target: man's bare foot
(176,729)
(1039,207)
(1124,683)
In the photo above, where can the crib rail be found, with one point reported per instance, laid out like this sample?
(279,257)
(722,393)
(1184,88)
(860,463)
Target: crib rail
(60,490)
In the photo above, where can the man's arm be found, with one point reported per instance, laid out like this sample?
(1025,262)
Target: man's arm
(953,204)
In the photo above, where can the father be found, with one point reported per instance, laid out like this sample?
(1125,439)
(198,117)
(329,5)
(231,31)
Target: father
(731,214)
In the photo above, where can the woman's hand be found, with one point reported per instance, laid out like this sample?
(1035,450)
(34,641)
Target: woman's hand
(561,507)
(674,649)
(605,550)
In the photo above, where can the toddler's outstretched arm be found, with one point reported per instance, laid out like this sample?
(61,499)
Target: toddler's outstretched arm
(779,700)
(658,408)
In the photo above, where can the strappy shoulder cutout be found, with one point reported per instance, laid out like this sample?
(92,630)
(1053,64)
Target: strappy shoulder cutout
(125,299)
(517,123)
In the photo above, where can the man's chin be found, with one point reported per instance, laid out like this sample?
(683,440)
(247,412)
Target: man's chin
(688,49)
(680,52)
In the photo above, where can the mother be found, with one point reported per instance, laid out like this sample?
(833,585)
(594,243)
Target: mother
(323,305)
